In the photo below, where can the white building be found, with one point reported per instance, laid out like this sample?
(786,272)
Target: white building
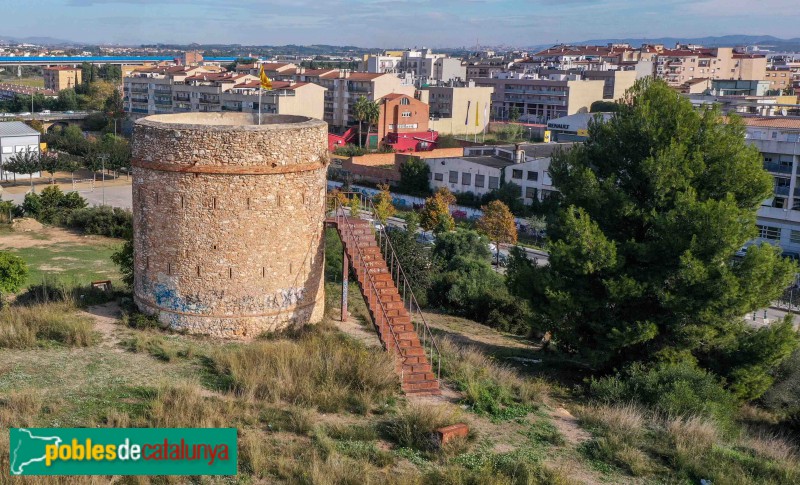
(778,140)
(16,137)
(483,169)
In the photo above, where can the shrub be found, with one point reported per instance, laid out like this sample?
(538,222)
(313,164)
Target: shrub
(488,387)
(28,326)
(675,389)
(102,221)
(13,273)
(52,206)
(319,369)
(349,150)
(415,426)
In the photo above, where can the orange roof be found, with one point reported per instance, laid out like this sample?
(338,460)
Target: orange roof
(392,96)
(62,68)
(791,122)
(275,66)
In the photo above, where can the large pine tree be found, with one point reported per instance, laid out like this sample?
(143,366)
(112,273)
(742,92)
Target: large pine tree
(654,206)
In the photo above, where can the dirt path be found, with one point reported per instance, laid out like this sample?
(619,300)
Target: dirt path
(106,319)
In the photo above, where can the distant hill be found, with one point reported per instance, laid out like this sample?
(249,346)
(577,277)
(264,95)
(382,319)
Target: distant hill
(37,40)
(766,41)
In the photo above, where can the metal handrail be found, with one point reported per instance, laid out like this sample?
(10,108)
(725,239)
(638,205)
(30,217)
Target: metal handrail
(340,216)
(407,294)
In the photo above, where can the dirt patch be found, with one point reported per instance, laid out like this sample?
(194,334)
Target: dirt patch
(26,224)
(47,236)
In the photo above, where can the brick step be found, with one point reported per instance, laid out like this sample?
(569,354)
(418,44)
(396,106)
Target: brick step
(424,392)
(410,377)
(420,385)
(415,368)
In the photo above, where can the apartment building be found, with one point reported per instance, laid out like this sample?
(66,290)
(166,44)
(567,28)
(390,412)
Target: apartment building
(778,140)
(782,78)
(182,89)
(57,78)
(540,99)
(452,108)
(381,63)
(345,87)
(430,68)
(401,114)
(676,66)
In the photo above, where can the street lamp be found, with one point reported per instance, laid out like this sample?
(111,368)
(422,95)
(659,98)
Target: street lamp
(103,157)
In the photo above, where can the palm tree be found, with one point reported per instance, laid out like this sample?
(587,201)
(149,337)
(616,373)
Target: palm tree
(360,109)
(365,110)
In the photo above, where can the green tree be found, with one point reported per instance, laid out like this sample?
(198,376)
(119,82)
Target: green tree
(123,258)
(13,273)
(28,163)
(513,114)
(50,163)
(415,177)
(509,194)
(67,100)
(655,204)
(604,107)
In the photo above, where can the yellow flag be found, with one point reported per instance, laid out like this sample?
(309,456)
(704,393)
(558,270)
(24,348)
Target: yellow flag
(477,114)
(266,83)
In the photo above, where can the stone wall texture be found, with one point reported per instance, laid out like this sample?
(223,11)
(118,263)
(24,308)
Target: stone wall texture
(228,221)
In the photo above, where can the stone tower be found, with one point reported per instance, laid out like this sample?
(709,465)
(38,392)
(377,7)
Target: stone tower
(228,221)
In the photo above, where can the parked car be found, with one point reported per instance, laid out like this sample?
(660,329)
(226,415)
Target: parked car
(791,255)
(501,259)
(426,238)
(45,111)
(69,112)
(26,113)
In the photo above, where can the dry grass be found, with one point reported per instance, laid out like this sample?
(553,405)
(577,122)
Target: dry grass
(183,405)
(325,370)
(692,436)
(772,447)
(625,422)
(20,409)
(29,326)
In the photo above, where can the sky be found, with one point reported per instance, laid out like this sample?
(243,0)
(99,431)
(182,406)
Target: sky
(384,23)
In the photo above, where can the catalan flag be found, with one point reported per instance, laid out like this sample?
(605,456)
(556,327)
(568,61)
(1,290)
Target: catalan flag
(266,83)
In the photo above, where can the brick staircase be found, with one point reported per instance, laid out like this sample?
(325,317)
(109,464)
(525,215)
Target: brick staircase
(387,306)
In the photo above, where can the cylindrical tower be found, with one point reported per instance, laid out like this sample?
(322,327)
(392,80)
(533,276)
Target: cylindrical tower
(228,221)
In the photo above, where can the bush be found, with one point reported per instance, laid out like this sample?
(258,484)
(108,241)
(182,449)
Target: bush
(52,206)
(675,389)
(13,273)
(415,426)
(349,150)
(102,221)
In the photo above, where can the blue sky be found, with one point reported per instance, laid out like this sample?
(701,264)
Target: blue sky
(384,23)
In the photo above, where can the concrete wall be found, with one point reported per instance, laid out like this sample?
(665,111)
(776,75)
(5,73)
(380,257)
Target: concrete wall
(228,221)
(582,94)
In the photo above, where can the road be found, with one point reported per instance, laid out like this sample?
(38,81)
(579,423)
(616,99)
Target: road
(115,196)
